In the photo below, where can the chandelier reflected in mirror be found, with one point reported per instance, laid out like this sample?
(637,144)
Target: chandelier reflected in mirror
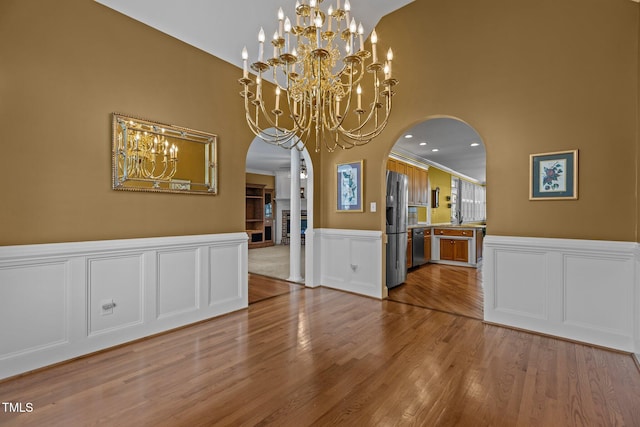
(321,70)
(145,152)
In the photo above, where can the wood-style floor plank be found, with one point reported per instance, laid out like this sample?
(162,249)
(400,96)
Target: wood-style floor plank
(447,288)
(324,357)
(263,287)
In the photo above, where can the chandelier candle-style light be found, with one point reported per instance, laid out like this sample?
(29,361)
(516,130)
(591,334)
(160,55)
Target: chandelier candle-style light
(319,68)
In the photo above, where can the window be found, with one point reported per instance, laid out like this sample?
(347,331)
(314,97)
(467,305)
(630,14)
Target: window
(468,201)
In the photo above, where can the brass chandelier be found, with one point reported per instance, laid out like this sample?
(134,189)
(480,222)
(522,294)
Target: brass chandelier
(319,69)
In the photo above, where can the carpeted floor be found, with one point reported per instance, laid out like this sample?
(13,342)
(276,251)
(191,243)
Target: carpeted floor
(272,261)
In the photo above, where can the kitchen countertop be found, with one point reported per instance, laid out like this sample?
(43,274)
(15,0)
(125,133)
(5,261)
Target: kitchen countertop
(446,225)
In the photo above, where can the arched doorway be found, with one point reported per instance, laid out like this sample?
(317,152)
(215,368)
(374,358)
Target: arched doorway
(445,159)
(267,163)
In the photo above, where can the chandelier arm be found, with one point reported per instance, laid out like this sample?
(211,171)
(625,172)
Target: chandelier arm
(155,177)
(355,135)
(372,111)
(145,168)
(339,142)
(348,104)
(358,137)
(359,77)
(275,76)
(263,134)
(264,111)
(259,105)
(306,112)
(272,138)
(362,125)
(298,125)
(279,140)
(175,169)
(337,125)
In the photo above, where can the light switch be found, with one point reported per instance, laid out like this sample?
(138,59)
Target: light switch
(373,206)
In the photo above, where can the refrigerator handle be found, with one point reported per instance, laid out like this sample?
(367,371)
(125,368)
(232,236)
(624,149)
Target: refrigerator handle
(398,198)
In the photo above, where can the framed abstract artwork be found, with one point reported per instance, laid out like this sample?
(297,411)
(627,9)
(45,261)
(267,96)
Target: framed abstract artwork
(553,176)
(349,187)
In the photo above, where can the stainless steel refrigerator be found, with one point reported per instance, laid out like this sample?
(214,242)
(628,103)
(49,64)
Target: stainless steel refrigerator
(396,228)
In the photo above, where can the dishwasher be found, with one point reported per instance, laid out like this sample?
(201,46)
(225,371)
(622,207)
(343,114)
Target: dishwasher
(417,234)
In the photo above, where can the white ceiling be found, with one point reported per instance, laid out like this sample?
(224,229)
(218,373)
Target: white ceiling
(267,158)
(222,28)
(452,138)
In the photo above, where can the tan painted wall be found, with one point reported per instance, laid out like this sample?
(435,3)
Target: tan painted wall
(557,74)
(530,78)
(66,66)
(442,179)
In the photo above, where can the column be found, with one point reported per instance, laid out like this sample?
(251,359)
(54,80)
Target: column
(295,242)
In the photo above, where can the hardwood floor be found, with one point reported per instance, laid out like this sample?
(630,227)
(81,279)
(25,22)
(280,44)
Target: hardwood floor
(263,287)
(324,357)
(452,289)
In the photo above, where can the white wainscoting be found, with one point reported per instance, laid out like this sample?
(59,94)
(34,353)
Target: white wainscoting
(350,260)
(582,290)
(52,294)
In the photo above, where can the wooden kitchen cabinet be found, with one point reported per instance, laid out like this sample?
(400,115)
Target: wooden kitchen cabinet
(454,250)
(422,184)
(392,165)
(417,181)
(453,232)
(411,184)
(457,245)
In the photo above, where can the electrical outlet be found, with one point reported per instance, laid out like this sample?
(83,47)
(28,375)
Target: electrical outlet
(106,306)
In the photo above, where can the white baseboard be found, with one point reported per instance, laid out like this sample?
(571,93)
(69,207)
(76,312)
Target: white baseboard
(576,289)
(53,294)
(350,260)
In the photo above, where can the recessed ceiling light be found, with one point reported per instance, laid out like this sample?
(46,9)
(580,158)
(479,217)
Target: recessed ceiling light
(423,143)
(408,136)
(435,150)
(474,144)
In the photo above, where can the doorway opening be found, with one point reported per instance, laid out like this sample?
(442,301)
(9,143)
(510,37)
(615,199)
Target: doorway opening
(286,179)
(444,159)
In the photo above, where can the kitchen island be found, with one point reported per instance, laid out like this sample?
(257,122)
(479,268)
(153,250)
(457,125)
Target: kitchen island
(452,244)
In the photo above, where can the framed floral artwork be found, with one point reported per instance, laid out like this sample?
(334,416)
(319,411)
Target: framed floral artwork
(349,187)
(553,176)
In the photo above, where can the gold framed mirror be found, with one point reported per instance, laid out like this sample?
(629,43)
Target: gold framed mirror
(152,156)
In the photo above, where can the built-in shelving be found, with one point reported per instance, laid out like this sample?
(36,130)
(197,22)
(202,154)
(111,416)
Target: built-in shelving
(258,215)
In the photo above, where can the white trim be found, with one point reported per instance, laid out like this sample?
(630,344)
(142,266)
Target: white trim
(350,260)
(56,291)
(584,290)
